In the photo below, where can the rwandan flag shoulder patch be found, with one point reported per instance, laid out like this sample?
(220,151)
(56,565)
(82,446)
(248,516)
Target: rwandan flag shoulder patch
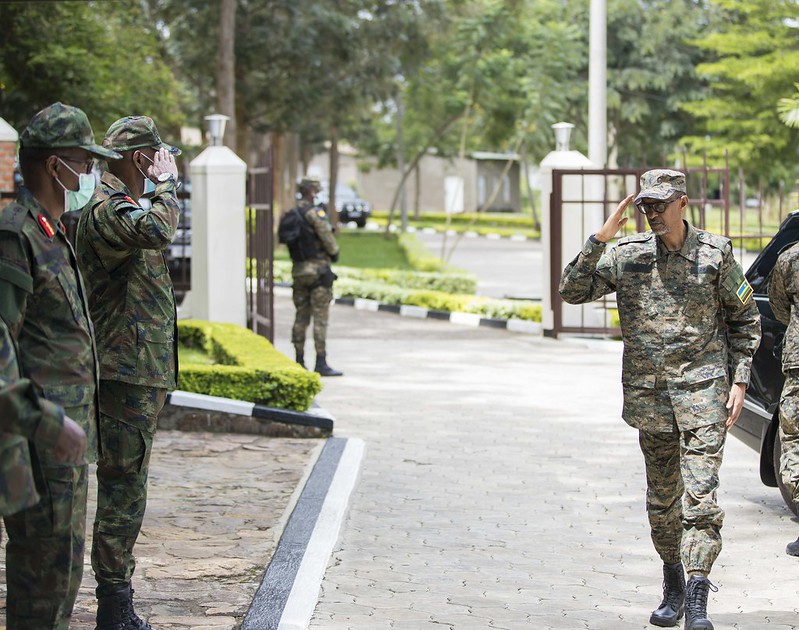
(744,292)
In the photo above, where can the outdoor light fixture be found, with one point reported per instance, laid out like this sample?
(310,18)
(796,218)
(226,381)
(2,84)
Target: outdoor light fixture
(216,128)
(563,132)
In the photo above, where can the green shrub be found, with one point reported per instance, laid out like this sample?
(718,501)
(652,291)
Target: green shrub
(493,219)
(248,368)
(440,301)
(419,256)
(448,282)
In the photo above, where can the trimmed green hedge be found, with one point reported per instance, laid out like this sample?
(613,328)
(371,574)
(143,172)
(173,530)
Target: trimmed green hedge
(440,301)
(448,282)
(419,256)
(248,367)
(493,219)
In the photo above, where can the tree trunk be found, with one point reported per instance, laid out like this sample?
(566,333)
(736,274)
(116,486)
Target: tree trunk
(292,153)
(226,66)
(331,188)
(526,175)
(417,193)
(277,166)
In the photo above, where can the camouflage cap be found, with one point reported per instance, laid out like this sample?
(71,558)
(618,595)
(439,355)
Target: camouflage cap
(135,132)
(306,183)
(661,183)
(62,126)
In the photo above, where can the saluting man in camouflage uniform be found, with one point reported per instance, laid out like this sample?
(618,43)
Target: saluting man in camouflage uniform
(23,417)
(313,279)
(687,315)
(783,295)
(120,249)
(42,300)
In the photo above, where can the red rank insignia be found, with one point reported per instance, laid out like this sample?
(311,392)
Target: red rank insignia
(44,222)
(131,200)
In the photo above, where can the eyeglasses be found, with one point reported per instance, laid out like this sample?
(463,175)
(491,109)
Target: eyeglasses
(88,165)
(659,206)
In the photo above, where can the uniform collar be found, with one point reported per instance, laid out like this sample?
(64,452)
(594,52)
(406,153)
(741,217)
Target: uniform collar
(690,246)
(112,181)
(26,199)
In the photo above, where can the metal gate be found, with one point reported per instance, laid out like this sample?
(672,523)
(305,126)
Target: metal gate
(589,189)
(261,247)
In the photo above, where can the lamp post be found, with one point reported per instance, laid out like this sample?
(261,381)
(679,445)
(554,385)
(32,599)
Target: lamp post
(216,128)
(563,132)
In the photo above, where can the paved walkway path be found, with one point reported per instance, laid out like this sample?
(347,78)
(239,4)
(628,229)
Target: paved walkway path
(501,489)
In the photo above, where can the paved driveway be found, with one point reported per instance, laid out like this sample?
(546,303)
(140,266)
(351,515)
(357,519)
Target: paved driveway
(501,489)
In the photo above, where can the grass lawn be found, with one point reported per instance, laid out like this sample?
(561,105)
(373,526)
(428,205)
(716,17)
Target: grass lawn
(193,355)
(364,249)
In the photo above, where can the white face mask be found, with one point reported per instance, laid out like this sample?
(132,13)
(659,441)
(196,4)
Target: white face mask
(76,199)
(149,185)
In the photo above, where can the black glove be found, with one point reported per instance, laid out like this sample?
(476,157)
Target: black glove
(334,258)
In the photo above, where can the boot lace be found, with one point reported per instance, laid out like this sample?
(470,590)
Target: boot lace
(696,599)
(673,587)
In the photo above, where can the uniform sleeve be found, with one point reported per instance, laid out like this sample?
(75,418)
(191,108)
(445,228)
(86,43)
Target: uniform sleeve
(124,225)
(741,317)
(778,297)
(318,220)
(590,275)
(16,281)
(24,413)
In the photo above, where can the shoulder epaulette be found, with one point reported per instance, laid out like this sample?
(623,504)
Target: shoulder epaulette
(640,237)
(12,217)
(714,240)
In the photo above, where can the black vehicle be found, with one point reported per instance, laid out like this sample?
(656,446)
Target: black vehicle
(349,205)
(759,421)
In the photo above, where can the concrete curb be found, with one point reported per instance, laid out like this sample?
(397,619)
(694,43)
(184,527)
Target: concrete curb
(289,591)
(316,416)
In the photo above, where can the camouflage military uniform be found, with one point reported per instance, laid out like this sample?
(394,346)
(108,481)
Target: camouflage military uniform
(43,302)
(685,316)
(313,282)
(23,416)
(783,293)
(120,249)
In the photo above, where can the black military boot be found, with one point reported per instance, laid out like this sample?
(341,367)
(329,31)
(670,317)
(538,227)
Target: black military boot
(323,368)
(793,548)
(696,604)
(672,607)
(115,610)
(300,358)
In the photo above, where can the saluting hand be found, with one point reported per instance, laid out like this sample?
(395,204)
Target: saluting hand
(163,162)
(615,221)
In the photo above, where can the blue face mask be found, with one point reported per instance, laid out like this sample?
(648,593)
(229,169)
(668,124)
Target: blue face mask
(76,199)
(149,185)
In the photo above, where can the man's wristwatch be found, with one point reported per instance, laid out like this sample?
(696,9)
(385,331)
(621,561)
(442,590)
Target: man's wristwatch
(165,177)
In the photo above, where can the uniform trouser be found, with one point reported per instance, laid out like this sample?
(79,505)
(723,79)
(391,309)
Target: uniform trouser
(128,417)
(310,301)
(789,434)
(682,475)
(44,555)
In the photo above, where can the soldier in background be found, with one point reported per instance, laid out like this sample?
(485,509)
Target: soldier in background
(685,309)
(313,278)
(120,248)
(42,300)
(783,293)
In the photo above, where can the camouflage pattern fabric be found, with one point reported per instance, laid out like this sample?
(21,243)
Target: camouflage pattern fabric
(310,294)
(23,416)
(311,302)
(62,126)
(120,249)
(128,417)
(684,518)
(135,132)
(685,317)
(661,183)
(783,293)
(44,555)
(789,434)
(42,300)
(683,314)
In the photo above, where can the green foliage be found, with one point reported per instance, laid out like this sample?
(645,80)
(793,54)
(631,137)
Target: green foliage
(247,367)
(419,256)
(437,300)
(477,219)
(104,57)
(754,62)
(360,248)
